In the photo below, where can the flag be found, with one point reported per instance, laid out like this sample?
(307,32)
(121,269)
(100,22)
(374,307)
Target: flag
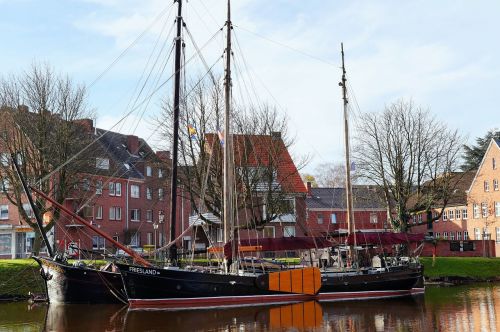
(221,137)
(192,132)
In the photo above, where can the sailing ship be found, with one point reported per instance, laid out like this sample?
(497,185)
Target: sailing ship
(173,287)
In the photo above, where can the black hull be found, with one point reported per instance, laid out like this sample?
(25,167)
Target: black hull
(153,287)
(405,278)
(69,284)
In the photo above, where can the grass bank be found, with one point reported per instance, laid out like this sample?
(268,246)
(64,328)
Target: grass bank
(18,277)
(476,268)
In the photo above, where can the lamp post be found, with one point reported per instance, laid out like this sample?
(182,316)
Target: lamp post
(161,218)
(155,227)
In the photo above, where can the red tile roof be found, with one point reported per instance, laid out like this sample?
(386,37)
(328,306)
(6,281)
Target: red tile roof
(264,150)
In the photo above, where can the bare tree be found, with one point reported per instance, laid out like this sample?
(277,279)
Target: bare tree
(330,175)
(260,141)
(41,109)
(411,156)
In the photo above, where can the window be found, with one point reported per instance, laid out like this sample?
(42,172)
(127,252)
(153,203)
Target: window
(437,235)
(268,231)
(484,209)
(149,193)
(220,237)
(486,186)
(320,218)
(458,213)
(497,209)
(160,194)
(497,231)
(452,214)
(88,211)
(135,240)
(495,184)
(135,215)
(445,215)
(98,242)
(459,236)
(466,235)
(4,160)
(29,211)
(452,236)
(150,238)
(135,191)
(5,244)
(116,238)
(4,184)
(149,215)
(333,218)
(486,234)
(373,218)
(419,218)
(86,184)
(98,212)
(287,210)
(4,212)
(445,235)
(477,234)
(493,163)
(160,173)
(98,187)
(475,213)
(464,214)
(149,171)
(288,231)
(115,213)
(115,189)
(102,163)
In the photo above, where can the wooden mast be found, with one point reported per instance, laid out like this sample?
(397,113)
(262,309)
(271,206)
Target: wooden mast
(227,218)
(351,228)
(177,84)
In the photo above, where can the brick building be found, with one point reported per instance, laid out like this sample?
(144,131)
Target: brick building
(327,212)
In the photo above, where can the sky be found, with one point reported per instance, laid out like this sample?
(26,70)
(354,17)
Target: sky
(443,55)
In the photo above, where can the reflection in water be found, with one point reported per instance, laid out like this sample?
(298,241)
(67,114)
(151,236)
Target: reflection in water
(464,308)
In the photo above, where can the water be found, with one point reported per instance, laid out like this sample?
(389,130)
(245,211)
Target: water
(459,308)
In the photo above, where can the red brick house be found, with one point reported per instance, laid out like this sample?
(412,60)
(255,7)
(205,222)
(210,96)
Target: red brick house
(260,155)
(327,212)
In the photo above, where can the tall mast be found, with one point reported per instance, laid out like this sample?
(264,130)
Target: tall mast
(177,86)
(351,228)
(227,135)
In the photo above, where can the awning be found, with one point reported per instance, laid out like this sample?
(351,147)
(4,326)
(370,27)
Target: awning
(364,238)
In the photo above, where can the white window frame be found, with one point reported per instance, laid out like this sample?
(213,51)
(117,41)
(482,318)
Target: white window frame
(476,212)
(477,234)
(98,212)
(494,163)
(149,215)
(115,213)
(459,236)
(445,215)
(102,163)
(452,236)
(466,235)
(135,191)
(484,210)
(149,238)
(333,218)
(497,209)
(98,187)
(6,241)
(445,235)
(319,219)
(269,228)
(289,231)
(161,194)
(4,212)
(118,189)
(149,171)
(495,184)
(149,193)
(486,186)
(98,242)
(28,210)
(160,173)
(135,240)
(458,214)
(373,218)
(4,159)
(220,234)
(135,215)
(497,231)
(464,214)
(451,214)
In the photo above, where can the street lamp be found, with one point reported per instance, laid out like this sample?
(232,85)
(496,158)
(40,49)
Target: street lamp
(155,227)
(161,218)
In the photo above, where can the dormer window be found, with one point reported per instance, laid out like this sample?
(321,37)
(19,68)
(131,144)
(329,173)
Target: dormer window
(102,163)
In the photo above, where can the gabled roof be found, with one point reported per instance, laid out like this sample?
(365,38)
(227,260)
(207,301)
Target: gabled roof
(123,163)
(364,197)
(264,150)
(493,140)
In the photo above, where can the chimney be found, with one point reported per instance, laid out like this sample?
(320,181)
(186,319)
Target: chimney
(276,135)
(163,155)
(309,190)
(133,144)
(87,124)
